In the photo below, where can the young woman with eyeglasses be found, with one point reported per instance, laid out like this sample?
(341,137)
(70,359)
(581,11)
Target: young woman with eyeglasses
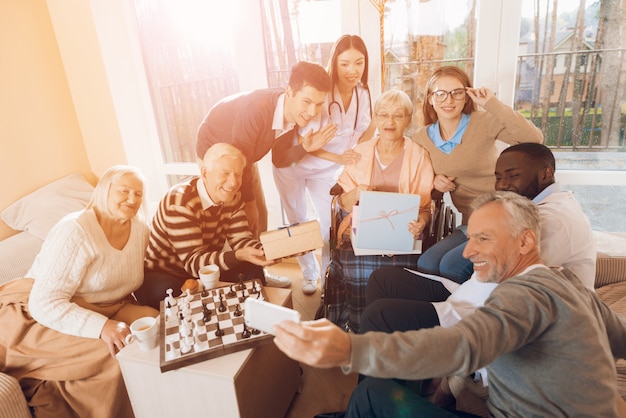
(461,140)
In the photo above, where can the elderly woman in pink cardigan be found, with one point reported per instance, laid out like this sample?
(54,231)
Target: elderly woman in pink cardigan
(389,162)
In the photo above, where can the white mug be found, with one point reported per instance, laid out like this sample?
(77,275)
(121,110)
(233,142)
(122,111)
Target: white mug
(145,331)
(209,275)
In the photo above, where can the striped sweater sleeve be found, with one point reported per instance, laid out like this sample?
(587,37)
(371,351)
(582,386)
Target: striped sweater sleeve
(184,237)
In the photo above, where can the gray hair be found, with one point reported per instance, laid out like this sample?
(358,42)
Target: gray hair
(222,149)
(521,213)
(395,97)
(100,197)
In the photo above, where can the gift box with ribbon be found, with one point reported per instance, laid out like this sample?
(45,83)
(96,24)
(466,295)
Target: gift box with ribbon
(293,239)
(380,224)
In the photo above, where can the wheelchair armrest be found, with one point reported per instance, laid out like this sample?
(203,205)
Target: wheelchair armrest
(436,194)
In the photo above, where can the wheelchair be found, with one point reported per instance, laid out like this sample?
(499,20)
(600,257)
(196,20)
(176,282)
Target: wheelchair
(345,278)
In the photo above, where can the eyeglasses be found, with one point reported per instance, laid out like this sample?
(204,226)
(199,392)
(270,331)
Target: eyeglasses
(442,95)
(395,117)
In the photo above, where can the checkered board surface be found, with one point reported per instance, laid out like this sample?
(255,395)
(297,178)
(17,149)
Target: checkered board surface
(205,344)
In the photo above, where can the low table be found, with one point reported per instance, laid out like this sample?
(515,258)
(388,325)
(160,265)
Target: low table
(256,382)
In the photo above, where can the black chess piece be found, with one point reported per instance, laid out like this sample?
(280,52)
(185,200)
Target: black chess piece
(254,290)
(222,307)
(231,293)
(219,332)
(237,311)
(241,278)
(255,331)
(204,293)
(206,314)
(242,298)
(246,332)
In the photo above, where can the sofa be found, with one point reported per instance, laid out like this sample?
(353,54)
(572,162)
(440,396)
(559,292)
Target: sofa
(611,284)
(33,215)
(72,193)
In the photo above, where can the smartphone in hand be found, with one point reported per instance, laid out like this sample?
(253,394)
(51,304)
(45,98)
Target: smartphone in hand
(262,315)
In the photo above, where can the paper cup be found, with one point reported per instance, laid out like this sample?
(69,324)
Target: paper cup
(144,331)
(209,276)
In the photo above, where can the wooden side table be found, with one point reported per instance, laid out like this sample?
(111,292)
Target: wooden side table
(256,382)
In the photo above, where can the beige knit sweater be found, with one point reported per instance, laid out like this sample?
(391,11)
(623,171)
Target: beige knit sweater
(473,161)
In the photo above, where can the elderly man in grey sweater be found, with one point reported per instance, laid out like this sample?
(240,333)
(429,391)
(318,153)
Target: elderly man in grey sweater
(548,343)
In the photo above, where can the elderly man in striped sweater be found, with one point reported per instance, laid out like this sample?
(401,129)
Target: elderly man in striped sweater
(194,221)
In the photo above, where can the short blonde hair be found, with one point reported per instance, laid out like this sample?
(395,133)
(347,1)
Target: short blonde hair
(100,197)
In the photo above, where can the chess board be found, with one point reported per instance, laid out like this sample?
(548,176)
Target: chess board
(188,335)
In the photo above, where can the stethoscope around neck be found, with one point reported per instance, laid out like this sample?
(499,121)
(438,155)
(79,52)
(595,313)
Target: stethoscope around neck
(334,103)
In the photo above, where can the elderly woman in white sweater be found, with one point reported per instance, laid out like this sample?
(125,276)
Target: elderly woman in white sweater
(64,322)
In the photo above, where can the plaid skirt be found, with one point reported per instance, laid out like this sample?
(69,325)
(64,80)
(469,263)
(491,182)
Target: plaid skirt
(346,280)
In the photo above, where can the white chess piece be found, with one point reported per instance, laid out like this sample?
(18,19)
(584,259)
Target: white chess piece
(184,346)
(185,324)
(171,299)
(190,341)
(171,315)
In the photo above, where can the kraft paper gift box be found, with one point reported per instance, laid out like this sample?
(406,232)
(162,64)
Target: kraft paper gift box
(380,224)
(293,239)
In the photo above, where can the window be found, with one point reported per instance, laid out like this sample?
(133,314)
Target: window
(189,61)
(564,68)
(572,83)
(194,56)
(568,79)
(291,30)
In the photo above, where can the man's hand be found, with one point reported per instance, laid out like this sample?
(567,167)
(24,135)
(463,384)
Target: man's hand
(480,96)
(316,343)
(252,213)
(350,157)
(349,199)
(114,335)
(444,183)
(253,255)
(312,141)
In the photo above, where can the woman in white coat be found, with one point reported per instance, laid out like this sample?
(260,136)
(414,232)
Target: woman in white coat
(348,106)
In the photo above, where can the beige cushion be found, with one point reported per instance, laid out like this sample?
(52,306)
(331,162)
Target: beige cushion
(614,295)
(17,254)
(611,259)
(609,269)
(40,210)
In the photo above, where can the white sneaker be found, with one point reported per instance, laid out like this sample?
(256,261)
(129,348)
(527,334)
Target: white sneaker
(309,287)
(274,280)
